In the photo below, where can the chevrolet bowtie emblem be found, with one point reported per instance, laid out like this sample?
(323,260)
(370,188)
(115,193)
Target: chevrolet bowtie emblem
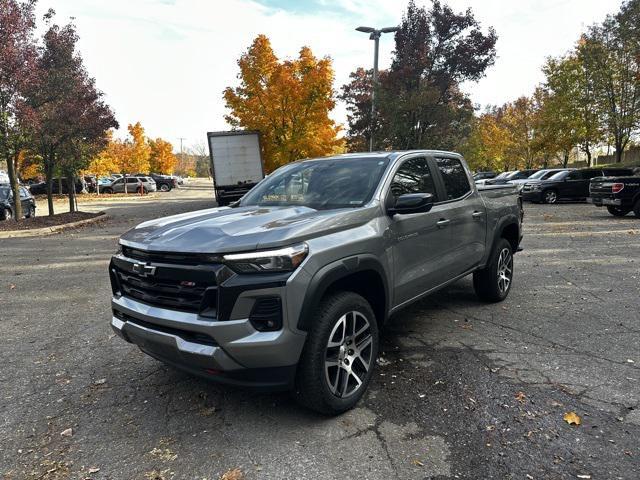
(144,270)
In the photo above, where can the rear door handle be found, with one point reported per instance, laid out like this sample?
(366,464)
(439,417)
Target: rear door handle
(477,214)
(443,222)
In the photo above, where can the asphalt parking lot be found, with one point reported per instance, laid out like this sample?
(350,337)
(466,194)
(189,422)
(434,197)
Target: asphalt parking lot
(462,389)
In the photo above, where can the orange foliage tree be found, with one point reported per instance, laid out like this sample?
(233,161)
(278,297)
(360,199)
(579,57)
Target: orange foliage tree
(137,151)
(162,159)
(288,102)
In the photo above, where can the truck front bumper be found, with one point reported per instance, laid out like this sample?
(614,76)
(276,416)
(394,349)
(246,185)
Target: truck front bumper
(231,352)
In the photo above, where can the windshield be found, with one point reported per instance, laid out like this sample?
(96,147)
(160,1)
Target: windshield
(4,192)
(539,174)
(320,184)
(559,175)
(502,175)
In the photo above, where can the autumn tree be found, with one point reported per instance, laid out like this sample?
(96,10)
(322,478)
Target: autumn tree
(18,72)
(137,152)
(420,103)
(357,96)
(486,147)
(109,159)
(288,102)
(72,116)
(611,53)
(162,160)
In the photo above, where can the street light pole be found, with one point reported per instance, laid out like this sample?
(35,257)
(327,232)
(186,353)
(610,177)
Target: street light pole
(375,35)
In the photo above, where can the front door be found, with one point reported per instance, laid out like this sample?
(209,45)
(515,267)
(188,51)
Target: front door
(572,185)
(420,241)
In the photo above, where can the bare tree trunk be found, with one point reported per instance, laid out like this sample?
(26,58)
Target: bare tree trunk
(565,159)
(71,186)
(48,172)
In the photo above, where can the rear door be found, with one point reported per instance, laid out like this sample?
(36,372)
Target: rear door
(420,241)
(465,210)
(587,175)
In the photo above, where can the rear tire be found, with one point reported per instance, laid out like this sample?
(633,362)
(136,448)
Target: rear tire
(336,365)
(31,213)
(636,208)
(164,187)
(618,211)
(550,196)
(7,214)
(108,191)
(493,283)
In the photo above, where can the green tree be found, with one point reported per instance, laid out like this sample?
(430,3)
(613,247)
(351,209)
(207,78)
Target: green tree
(611,56)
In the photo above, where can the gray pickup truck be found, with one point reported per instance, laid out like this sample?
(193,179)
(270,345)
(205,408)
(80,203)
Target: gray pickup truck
(289,288)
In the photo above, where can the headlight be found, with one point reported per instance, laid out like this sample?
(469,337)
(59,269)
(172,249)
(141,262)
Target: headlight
(281,260)
(536,187)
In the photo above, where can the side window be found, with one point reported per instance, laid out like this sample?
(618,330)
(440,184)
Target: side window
(23,193)
(413,176)
(588,174)
(454,176)
(132,180)
(574,176)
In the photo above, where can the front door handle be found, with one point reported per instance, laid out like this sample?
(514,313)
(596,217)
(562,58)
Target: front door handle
(477,214)
(443,222)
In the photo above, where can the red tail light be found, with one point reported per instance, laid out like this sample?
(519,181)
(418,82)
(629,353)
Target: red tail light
(616,187)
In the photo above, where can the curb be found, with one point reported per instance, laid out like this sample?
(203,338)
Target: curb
(41,232)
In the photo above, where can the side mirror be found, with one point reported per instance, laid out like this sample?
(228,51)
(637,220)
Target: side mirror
(412,203)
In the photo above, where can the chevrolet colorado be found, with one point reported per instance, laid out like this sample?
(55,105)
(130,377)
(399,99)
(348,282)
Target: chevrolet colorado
(289,288)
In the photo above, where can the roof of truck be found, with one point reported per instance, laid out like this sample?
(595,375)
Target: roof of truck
(393,154)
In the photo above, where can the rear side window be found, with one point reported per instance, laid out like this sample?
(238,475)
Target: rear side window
(413,176)
(454,176)
(575,175)
(589,174)
(617,172)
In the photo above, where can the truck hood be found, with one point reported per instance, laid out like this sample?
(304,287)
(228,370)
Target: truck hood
(224,230)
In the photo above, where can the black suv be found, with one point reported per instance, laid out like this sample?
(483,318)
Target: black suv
(568,185)
(6,203)
(41,188)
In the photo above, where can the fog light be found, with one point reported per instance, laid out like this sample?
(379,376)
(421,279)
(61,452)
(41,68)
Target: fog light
(266,314)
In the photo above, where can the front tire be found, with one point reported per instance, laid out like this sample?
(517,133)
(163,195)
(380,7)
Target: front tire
(108,191)
(164,187)
(339,356)
(7,214)
(636,208)
(493,283)
(618,211)
(550,196)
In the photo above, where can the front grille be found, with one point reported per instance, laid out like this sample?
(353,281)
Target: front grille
(190,289)
(170,257)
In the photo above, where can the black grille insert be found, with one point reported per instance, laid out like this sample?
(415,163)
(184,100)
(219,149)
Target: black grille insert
(176,287)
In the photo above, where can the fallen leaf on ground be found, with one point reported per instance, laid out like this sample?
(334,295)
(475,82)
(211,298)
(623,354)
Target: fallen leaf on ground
(235,474)
(584,476)
(418,463)
(572,418)
(94,470)
(521,397)
(101,381)
(67,433)
(12,287)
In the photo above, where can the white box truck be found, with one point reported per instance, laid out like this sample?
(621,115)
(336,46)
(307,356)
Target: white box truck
(236,163)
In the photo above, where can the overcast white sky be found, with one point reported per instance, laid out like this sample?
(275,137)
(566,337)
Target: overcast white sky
(165,63)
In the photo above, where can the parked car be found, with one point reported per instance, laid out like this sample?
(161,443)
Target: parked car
(41,187)
(512,176)
(290,288)
(138,184)
(537,177)
(484,175)
(91,183)
(7,205)
(567,185)
(497,177)
(164,183)
(620,195)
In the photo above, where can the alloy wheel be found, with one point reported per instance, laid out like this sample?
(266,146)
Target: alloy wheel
(8,215)
(550,196)
(164,188)
(505,270)
(348,355)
